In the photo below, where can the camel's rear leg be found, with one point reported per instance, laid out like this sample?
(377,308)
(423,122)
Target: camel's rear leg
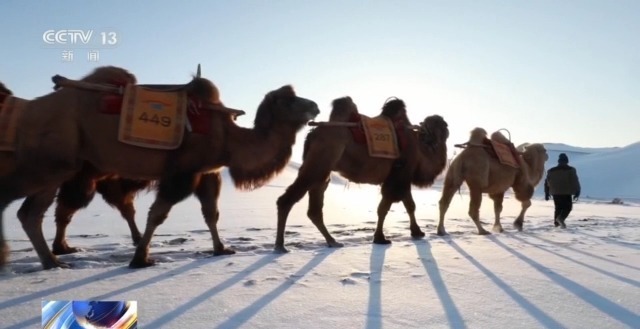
(474,209)
(170,191)
(448,190)
(208,192)
(31,214)
(4,247)
(316,203)
(497,198)
(120,193)
(410,207)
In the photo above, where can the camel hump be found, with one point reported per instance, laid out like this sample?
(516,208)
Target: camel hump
(500,138)
(343,109)
(478,135)
(111,75)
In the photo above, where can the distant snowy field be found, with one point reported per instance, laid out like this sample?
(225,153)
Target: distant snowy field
(587,276)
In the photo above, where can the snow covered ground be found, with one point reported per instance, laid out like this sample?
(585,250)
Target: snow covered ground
(587,276)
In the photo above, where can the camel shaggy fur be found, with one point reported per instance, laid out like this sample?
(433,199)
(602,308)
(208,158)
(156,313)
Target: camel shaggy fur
(332,148)
(63,131)
(484,173)
(78,193)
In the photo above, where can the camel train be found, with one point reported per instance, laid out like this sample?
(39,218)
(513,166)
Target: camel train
(69,151)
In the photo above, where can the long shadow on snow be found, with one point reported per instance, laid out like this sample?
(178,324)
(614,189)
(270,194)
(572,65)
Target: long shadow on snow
(195,301)
(609,274)
(596,300)
(586,253)
(630,245)
(101,276)
(431,266)
(545,320)
(243,316)
(374,313)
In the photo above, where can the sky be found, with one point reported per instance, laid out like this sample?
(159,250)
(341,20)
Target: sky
(548,71)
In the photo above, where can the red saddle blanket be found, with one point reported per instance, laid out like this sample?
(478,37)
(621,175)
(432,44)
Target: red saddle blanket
(360,137)
(200,120)
(505,153)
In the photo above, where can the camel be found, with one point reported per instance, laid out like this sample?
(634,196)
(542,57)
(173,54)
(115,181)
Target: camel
(484,173)
(77,193)
(77,134)
(332,148)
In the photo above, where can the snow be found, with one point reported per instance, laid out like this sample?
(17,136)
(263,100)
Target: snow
(605,173)
(587,276)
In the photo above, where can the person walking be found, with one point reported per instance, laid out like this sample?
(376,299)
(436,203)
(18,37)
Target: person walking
(562,183)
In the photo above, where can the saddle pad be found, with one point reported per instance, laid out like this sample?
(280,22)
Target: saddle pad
(10,112)
(381,137)
(505,156)
(152,119)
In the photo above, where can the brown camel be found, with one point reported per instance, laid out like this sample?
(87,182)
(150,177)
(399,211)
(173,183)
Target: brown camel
(77,133)
(332,148)
(484,173)
(78,193)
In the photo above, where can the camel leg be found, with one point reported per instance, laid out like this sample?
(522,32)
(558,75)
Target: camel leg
(170,191)
(519,222)
(448,190)
(285,202)
(497,198)
(410,207)
(383,209)
(314,212)
(524,196)
(31,215)
(118,194)
(4,247)
(474,210)
(208,191)
(72,196)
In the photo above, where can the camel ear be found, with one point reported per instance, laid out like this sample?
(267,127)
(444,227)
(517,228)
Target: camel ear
(198,71)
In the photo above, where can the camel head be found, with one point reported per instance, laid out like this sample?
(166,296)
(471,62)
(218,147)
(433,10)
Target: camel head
(284,107)
(434,130)
(535,155)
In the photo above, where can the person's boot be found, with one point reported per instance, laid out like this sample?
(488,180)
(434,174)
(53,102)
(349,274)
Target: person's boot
(561,221)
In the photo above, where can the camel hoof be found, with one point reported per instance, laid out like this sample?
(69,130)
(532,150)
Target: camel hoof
(440,231)
(223,252)
(4,254)
(484,233)
(381,241)
(280,250)
(55,264)
(518,225)
(335,244)
(64,250)
(417,234)
(141,263)
(498,229)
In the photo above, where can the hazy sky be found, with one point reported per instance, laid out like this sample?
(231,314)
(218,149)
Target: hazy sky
(549,71)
